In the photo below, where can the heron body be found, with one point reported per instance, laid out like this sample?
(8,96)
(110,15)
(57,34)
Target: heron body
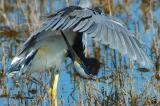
(52,53)
(49,45)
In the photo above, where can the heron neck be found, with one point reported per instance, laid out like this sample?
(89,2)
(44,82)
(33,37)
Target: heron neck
(85,3)
(78,47)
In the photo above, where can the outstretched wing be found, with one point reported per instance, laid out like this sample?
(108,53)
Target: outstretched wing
(100,27)
(97,25)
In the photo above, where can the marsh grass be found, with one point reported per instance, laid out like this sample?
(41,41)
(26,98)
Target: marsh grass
(120,82)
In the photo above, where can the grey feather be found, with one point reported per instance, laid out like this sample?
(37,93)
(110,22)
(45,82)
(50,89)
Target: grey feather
(130,49)
(65,23)
(92,28)
(95,32)
(70,23)
(105,39)
(62,20)
(88,25)
(75,22)
(121,43)
(52,24)
(80,25)
(98,36)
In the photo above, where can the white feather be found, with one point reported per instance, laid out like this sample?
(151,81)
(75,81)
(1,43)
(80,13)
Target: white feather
(15,60)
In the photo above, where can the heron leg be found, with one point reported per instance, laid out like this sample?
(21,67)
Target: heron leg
(53,89)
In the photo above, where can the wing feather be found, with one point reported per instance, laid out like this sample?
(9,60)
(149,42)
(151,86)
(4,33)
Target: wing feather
(62,20)
(130,49)
(121,43)
(69,23)
(96,31)
(97,34)
(87,26)
(80,25)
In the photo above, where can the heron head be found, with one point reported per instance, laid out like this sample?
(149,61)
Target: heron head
(93,65)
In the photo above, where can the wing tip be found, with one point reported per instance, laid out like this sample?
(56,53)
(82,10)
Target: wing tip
(15,60)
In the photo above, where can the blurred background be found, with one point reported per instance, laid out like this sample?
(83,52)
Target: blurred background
(119,82)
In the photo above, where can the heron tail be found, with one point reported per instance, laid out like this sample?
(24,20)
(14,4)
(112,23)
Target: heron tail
(21,63)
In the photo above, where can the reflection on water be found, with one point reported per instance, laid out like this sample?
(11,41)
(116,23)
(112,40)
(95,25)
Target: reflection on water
(118,83)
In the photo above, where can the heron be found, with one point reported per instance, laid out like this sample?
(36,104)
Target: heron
(60,37)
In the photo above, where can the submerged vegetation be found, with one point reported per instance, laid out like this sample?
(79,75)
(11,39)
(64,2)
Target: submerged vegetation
(120,82)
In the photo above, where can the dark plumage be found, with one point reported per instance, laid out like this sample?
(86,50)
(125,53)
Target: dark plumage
(91,65)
